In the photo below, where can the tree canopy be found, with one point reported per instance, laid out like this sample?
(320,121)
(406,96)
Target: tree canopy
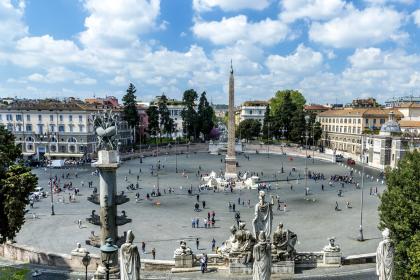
(16,182)
(130,111)
(153,117)
(205,115)
(248,129)
(295,96)
(399,211)
(189,115)
(166,122)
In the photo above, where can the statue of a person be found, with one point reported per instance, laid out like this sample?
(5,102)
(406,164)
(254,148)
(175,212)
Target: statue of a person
(263,216)
(331,247)
(79,249)
(183,250)
(385,257)
(262,258)
(284,243)
(129,259)
(227,246)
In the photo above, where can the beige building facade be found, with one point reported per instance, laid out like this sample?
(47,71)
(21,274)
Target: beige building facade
(55,129)
(343,128)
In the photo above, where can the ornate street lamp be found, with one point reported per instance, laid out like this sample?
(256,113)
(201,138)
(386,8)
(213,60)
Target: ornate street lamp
(86,262)
(107,254)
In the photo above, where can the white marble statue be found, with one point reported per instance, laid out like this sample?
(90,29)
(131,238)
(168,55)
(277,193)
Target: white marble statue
(129,259)
(262,259)
(385,257)
(183,250)
(79,249)
(263,220)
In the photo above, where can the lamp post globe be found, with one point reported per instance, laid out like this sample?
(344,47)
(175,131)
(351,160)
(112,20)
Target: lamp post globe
(107,252)
(86,261)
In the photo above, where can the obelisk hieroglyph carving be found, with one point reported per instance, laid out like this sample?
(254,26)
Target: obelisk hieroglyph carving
(230,171)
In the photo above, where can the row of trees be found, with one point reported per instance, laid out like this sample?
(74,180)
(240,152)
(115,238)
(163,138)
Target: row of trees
(284,118)
(200,121)
(197,120)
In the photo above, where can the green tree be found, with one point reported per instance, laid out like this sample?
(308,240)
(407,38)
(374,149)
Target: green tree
(248,129)
(16,182)
(205,114)
(267,122)
(277,101)
(284,116)
(130,114)
(166,122)
(298,127)
(189,115)
(399,210)
(153,117)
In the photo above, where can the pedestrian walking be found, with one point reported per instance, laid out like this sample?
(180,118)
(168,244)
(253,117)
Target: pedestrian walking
(143,247)
(204,204)
(193,223)
(154,253)
(198,198)
(213,244)
(197,243)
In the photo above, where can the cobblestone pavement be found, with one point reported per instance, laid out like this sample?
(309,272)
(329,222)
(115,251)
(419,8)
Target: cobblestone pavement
(161,225)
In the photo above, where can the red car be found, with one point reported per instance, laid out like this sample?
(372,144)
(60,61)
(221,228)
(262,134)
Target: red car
(351,161)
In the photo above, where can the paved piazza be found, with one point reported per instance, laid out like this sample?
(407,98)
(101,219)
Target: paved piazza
(312,217)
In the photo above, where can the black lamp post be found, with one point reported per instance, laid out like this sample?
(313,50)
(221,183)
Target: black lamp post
(86,262)
(108,250)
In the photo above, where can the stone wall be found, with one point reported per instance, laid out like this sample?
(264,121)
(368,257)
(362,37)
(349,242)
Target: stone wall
(31,255)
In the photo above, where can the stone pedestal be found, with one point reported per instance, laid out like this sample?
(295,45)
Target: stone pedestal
(332,259)
(107,165)
(237,267)
(286,268)
(185,261)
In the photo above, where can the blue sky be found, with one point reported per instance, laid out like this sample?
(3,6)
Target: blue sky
(330,50)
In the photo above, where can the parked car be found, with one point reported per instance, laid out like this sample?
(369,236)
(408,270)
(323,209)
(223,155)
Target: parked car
(339,158)
(351,161)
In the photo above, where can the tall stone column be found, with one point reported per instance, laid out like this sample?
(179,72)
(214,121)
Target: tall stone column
(230,171)
(107,165)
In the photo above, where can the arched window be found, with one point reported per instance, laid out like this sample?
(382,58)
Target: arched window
(53,139)
(72,148)
(29,139)
(72,140)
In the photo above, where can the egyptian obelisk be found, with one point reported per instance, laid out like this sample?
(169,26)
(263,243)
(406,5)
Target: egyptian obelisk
(230,172)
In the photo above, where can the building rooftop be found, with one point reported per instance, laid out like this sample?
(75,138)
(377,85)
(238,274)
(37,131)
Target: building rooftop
(409,123)
(315,107)
(255,103)
(53,105)
(359,112)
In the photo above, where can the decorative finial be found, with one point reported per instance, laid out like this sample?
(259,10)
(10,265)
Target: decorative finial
(231,67)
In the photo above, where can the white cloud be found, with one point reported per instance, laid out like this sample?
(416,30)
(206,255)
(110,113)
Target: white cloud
(312,9)
(45,50)
(303,61)
(230,5)
(416,17)
(112,24)
(54,75)
(383,2)
(375,58)
(359,28)
(11,27)
(230,30)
